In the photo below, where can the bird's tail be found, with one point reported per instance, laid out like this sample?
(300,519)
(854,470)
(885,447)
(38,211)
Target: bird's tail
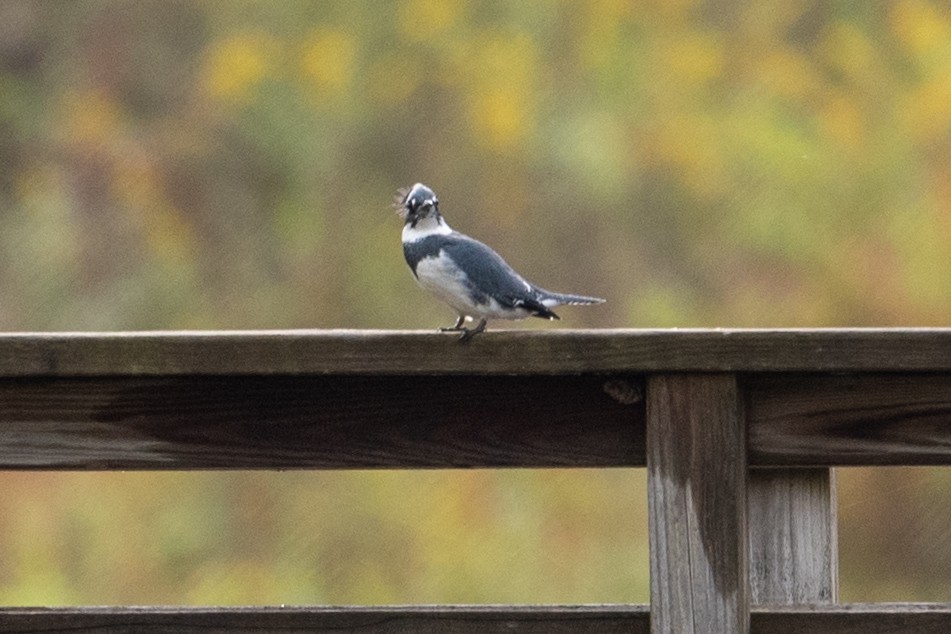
(550,299)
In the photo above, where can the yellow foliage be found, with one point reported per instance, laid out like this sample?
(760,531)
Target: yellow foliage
(842,120)
(235,65)
(672,9)
(137,187)
(924,251)
(234,582)
(759,22)
(501,84)
(511,60)
(421,20)
(328,60)
(927,107)
(134,183)
(812,189)
(599,34)
(694,57)
(849,49)
(34,183)
(920,27)
(393,79)
(90,116)
(43,222)
(690,143)
(787,74)
(926,34)
(500,117)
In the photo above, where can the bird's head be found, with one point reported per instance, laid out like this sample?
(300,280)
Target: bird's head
(418,203)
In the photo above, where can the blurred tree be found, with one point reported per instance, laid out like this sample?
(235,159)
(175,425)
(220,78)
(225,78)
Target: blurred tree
(190,164)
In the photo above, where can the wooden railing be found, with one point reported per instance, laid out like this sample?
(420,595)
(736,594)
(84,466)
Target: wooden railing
(738,431)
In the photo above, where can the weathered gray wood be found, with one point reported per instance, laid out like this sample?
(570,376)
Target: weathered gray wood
(876,618)
(632,619)
(366,620)
(345,399)
(511,352)
(793,536)
(316,421)
(858,419)
(241,422)
(696,464)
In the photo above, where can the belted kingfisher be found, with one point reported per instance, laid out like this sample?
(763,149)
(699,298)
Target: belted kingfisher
(466,274)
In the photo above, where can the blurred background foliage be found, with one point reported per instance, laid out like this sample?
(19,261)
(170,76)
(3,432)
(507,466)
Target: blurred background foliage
(199,164)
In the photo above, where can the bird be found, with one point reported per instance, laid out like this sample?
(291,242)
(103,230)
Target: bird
(466,274)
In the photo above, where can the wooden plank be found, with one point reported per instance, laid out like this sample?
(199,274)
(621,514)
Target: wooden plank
(861,419)
(367,620)
(315,421)
(696,466)
(241,422)
(793,536)
(498,352)
(627,619)
(877,618)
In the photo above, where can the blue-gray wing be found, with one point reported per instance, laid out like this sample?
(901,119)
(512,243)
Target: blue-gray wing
(491,276)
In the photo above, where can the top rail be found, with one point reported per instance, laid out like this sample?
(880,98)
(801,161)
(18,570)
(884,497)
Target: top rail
(350,352)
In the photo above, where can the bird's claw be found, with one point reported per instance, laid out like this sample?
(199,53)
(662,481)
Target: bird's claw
(469,333)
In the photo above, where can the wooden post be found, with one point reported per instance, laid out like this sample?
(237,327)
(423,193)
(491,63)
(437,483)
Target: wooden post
(793,536)
(696,464)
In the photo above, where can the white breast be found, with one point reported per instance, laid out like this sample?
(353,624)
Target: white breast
(442,278)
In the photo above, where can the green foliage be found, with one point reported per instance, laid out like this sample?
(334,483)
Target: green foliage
(338,538)
(195,164)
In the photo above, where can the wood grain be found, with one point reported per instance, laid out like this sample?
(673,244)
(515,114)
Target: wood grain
(497,352)
(366,620)
(242,422)
(618,619)
(793,536)
(317,421)
(716,401)
(696,465)
(877,618)
(857,419)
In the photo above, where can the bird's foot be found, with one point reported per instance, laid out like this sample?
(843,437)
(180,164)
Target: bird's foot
(458,327)
(469,333)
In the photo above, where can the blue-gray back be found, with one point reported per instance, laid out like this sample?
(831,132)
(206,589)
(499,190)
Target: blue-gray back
(488,274)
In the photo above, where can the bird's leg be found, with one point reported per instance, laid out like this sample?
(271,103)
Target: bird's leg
(457,327)
(469,333)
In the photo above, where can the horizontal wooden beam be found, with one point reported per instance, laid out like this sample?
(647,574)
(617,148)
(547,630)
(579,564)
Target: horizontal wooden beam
(857,618)
(319,422)
(857,419)
(327,422)
(497,352)
(366,620)
(627,619)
